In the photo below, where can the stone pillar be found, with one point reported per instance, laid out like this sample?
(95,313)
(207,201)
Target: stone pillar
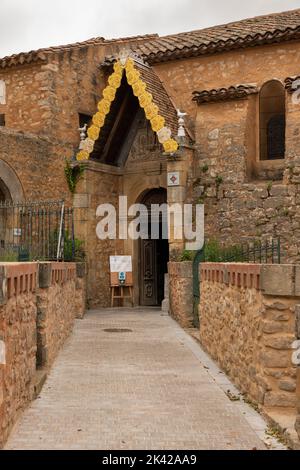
(181,165)
(166,302)
(181,292)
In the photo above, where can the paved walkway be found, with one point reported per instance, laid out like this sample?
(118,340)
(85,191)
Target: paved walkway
(146,388)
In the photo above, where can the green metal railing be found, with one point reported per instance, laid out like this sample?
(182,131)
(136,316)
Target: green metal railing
(257,251)
(36,231)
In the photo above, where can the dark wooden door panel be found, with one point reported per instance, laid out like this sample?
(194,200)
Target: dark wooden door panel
(148,272)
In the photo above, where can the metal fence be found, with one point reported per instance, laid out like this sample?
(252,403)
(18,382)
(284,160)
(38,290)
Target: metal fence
(36,231)
(256,251)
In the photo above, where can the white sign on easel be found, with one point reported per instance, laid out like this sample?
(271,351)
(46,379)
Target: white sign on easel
(120,264)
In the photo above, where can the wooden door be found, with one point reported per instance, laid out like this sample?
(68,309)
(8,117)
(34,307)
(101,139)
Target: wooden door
(148,273)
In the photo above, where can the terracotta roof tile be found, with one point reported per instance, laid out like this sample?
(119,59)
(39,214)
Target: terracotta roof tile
(224,94)
(160,96)
(41,55)
(266,29)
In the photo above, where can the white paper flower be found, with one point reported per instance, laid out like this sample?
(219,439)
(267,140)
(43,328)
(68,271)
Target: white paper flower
(88,145)
(163,135)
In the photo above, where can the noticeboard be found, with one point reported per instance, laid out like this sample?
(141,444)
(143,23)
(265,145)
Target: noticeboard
(120,264)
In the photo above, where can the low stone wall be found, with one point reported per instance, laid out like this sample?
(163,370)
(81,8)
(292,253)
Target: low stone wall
(38,305)
(56,309)
(247,316)
(18,313)
(80,290)
(297,425)
(181,292)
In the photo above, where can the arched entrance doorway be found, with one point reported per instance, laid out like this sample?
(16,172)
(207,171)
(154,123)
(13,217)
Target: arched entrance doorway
(153,256)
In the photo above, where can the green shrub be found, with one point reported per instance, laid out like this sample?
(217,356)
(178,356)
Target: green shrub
(187,255)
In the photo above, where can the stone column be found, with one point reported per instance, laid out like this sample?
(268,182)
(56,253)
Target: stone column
(179,164)
(166,302)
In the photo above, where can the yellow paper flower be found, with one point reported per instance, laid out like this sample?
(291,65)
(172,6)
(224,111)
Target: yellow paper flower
(88,145)
(115,80)
(104,106)
(151,110)
(145,99)
(132,76)
(82,155)
(138,88)
(157,123)
(170,146)
(93,132)
(99,119)
(109,93)
(129,64)
(118,68)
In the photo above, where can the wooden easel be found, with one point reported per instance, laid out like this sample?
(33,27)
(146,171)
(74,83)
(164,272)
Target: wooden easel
(121,265)
(119,292)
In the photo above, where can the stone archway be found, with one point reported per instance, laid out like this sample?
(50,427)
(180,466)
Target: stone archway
(153,256)
(10,191)
(10,185)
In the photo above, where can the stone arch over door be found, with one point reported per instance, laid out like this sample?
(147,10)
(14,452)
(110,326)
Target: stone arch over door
(10,185)
(10,191)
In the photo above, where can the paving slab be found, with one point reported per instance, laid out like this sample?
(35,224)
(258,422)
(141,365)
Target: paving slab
(148,387)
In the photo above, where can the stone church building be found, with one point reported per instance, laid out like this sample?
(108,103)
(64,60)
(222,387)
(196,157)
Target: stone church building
(239,87)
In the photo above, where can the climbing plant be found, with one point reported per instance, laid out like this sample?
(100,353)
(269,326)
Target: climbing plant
(73,175)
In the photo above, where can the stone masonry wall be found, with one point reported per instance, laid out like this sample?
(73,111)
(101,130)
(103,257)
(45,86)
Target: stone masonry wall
(38,163)
(38,306)
(252,199)
(297,425)
(248,324)
(18,313)
(181,292)
(96,188)
(56,311)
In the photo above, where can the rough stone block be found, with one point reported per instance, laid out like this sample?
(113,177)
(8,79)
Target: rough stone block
(281,342)
(81,201)
(282,399)
(45,271)
(80,270)
(287,385)
(297,280)
(277,280)
(275,359)
(297,321)
(297,426)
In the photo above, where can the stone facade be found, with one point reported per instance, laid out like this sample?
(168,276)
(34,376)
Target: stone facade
(38,306)
(181,292)
(245,197)
(248,326)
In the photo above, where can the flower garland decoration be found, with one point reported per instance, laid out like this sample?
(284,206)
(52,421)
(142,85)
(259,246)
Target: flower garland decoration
(145,98)
(98,120)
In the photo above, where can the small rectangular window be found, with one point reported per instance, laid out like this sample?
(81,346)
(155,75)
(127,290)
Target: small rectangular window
(2,120)
(84,119)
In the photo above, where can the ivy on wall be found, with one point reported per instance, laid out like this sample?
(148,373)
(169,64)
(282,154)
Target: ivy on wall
(73,175)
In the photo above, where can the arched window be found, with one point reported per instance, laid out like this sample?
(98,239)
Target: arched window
(2,92)
(272,121)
